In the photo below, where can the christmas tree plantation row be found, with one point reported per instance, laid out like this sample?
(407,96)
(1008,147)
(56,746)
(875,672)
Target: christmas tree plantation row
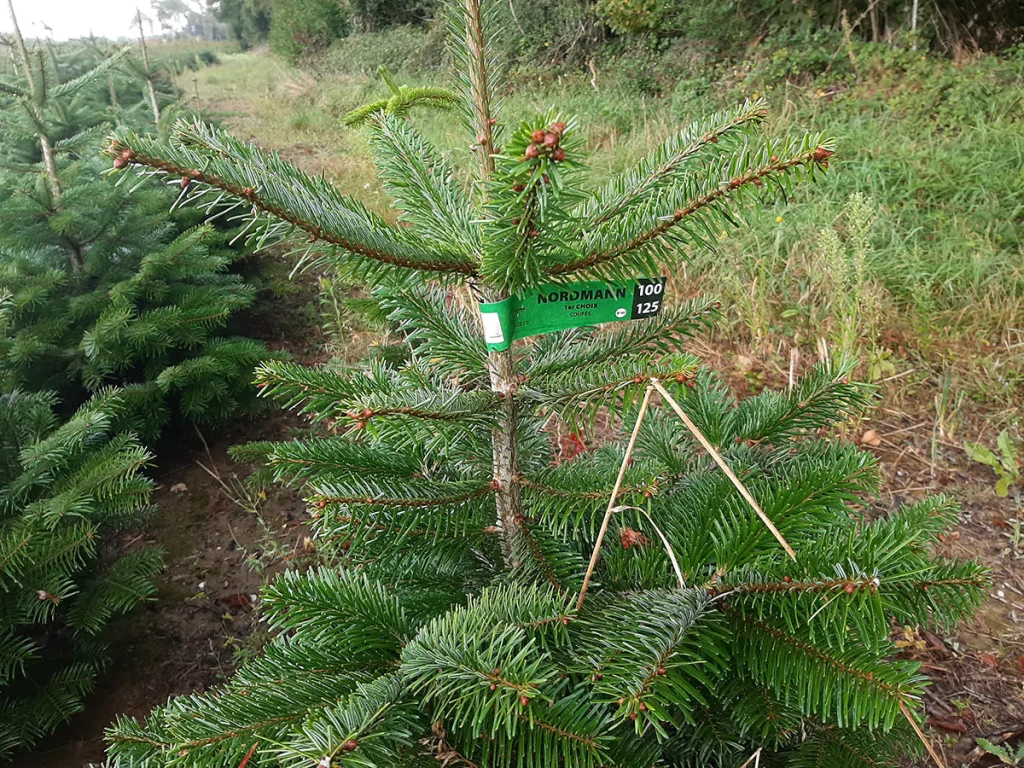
(112,318)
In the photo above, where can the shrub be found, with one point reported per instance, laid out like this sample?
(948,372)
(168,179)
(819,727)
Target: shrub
(730,23)
(300,28)
(548,31)
(638,16)
(248,20)
(375,15)
(399,49)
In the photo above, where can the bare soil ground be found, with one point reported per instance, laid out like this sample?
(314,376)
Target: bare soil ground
(977,673)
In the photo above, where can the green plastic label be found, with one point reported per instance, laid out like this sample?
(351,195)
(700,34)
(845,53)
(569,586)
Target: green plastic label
(569,305)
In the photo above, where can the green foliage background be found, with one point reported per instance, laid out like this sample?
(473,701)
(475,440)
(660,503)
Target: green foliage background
(302,28)
(576,31)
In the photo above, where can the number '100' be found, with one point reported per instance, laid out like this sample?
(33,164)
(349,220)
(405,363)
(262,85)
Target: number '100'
(651,289)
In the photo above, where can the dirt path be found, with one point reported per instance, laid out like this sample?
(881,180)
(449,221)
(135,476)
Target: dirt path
(202,623)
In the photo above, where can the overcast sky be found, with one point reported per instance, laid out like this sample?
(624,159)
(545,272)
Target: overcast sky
(74,18)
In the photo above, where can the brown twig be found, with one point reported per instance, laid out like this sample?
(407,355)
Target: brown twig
(248,755)
(664,541)
(206,447)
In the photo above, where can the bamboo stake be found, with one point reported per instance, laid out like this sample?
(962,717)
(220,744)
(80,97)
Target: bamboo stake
(615,492)
(724,467)
(755,758)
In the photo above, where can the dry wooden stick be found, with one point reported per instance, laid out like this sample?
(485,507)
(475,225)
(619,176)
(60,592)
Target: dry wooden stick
(920,735)
(615,493)
(724,467)
(755,758)
(248,755)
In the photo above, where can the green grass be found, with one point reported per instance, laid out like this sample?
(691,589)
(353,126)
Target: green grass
(938,147)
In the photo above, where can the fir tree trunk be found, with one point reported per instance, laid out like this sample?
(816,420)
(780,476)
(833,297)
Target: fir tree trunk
(51,166)
(481,95)
(149,75)
(49,160)
(508,492)
(19,42)
(74,252)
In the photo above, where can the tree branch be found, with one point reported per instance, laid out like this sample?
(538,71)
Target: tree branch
(250,195)
(724,191)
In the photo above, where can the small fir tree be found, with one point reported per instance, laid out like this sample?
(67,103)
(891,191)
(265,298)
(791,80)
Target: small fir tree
(449,626)
(62,486)
(106,287)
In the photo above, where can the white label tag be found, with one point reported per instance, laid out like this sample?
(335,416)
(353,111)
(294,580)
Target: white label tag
(492,328)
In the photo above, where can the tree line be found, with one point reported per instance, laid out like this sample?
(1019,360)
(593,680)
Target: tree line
(301,27)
